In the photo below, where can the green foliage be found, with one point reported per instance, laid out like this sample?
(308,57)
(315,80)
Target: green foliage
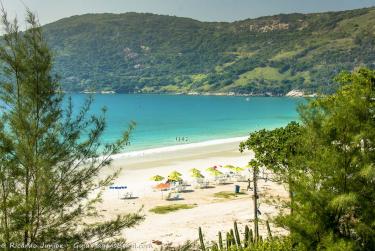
(203,248)
(49,158)
(237,235)
(153,53)
(334,202)
(233,242)
(221,241)
(268,229)
(275,149)
(171,208)
(187,246)
(328,163)
(227,195)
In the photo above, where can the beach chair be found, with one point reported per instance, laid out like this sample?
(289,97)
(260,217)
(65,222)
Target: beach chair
(230,176)
(127,195)
(181,188)
(206,184)
(175,197)
(219,181)
(223,180)
(168,196)
(199,183)
(184,185)
(240,178)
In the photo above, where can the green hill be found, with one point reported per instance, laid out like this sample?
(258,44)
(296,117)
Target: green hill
(134,52)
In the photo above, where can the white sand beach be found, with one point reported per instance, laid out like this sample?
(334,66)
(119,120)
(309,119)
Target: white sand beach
(211,213)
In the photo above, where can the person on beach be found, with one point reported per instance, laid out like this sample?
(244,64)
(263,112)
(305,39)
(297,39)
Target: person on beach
(249,185)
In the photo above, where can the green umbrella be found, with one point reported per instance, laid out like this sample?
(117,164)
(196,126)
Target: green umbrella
(157,178)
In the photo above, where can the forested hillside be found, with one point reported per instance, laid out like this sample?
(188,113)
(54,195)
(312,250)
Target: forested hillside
(146,53)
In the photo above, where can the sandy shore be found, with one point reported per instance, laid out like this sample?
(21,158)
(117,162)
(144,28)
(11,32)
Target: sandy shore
(210,213)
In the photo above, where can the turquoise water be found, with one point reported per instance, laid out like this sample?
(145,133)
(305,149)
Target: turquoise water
(164,120)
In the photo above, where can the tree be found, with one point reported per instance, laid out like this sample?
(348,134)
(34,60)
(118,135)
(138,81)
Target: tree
(328,163)
(255,166)
(49,157)
(334,200)
(274,149)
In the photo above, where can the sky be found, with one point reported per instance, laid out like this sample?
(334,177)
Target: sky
(204,10)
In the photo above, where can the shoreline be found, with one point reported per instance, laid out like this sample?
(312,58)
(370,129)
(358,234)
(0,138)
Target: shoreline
(313,95)
(178,148)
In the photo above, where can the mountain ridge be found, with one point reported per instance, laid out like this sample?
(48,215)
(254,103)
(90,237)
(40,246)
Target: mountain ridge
(151,53)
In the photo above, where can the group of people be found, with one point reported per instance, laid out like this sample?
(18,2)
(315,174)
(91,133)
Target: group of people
(184,139)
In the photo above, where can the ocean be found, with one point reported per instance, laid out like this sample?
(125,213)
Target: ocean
(168,120)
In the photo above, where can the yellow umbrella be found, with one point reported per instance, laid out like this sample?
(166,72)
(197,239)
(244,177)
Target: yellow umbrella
(238,169)
(210,169)
(175,173)
(157,178)
(175,176)
(194,170)
(216,173)
(197,174)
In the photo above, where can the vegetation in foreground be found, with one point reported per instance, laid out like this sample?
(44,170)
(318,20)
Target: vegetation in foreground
(233,240)
(171,208)
(327,162)
(49,158)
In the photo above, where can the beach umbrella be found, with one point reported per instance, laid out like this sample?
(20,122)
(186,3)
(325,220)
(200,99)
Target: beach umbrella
(216,173)
(229,167)
(210,169)
(234,168)
(161,187)
(195,173)
(157,178)
(194,170)
(238,169)
(174,173)
(175,176)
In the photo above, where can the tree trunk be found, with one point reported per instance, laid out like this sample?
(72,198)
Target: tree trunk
(255,196)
